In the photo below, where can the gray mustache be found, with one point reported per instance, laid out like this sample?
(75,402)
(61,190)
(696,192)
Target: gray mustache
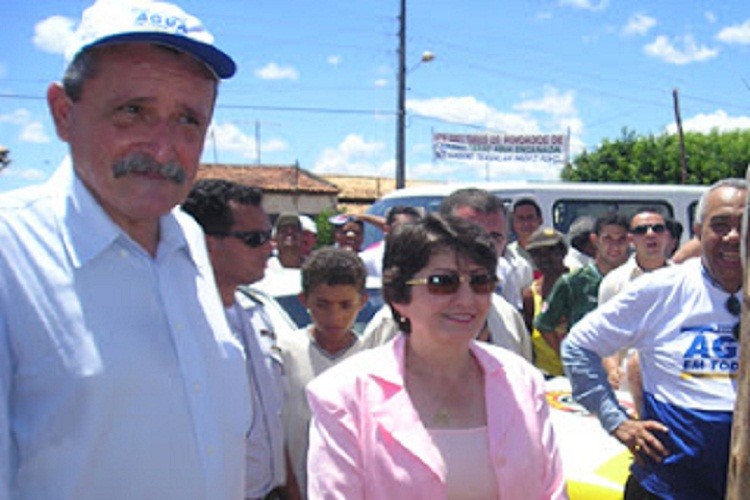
(143,164)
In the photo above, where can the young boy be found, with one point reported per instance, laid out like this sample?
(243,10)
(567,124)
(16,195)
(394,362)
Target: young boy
(333,290)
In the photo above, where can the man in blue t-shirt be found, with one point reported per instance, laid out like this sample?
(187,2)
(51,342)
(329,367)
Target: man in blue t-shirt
(684,322)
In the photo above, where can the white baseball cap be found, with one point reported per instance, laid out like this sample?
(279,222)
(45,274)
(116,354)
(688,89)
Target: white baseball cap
(308,224)
(121,21)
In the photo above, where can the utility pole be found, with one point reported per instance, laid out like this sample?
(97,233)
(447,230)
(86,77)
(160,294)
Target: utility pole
(738,480)
(257,142)
(683,155)
(401,102)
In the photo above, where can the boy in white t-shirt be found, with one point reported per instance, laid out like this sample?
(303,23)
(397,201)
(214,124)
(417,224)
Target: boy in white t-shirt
(333,290)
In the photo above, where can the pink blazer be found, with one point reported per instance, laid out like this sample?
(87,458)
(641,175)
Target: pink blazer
(367,442)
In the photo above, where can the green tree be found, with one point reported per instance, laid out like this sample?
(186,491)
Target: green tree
(325,228)
(656,159)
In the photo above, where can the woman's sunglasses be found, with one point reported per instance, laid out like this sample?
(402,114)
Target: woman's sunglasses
(447,284)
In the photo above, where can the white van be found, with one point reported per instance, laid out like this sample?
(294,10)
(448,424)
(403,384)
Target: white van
(562,202)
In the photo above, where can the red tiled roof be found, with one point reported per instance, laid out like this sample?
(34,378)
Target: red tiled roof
(270,178)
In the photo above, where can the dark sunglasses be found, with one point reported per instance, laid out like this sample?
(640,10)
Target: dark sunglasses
(253,239)
(643,229)
(446,284)
(734,308)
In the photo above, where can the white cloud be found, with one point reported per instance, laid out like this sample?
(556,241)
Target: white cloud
(227,137)
(710,17)
(739,34)
(53,34)
(555,109)
(30,130)
(585,4)
(639,24)
(17,117)
(381,82)
(273,71)
(467,110)
(354,155)
(25,174)
(552,101)
(34,132)
(719,120)
(679,50)
(334,60)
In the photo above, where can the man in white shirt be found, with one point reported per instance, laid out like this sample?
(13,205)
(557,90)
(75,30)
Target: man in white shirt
(238,237)
(119,376)
(526,217)
(648,236)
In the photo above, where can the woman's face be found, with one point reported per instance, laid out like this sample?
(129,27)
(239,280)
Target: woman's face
(449,318)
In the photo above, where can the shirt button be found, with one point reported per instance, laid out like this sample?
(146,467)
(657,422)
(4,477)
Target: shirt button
(210,451)
(124,253)
(197,387)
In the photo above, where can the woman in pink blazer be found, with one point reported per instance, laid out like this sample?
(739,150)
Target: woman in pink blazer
(434,414)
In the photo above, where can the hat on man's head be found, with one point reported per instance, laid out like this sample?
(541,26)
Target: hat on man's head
(308,224)
(288,219)
(122,21)
(544,237)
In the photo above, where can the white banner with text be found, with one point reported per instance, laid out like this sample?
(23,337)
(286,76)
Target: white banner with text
(538,148)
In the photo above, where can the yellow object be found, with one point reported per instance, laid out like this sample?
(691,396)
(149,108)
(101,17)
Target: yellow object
(613,474)
(545,358)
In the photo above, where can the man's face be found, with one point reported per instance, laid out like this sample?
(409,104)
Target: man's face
(525,221)
(235,263)
(720,236)
(649,246)
(288,236)
(494,223)
(350,235)
(309,239)
(146,105)
(612,245)
(548,259)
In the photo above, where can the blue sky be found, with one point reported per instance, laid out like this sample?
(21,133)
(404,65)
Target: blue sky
(317,80)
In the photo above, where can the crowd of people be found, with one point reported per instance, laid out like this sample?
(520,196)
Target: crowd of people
(135,362)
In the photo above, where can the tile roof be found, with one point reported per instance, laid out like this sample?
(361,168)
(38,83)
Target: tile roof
(360,189)
(270,178)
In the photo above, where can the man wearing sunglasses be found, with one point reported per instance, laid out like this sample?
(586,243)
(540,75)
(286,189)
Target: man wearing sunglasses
(684,322)
(648,237)
(238,237)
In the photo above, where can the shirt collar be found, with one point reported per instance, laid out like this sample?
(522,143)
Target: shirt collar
(87,230)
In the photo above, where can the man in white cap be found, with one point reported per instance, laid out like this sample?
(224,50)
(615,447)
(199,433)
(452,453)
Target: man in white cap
(119,376)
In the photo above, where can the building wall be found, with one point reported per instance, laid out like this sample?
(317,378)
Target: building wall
(276,203)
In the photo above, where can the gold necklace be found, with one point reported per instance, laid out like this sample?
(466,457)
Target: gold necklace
(442,417)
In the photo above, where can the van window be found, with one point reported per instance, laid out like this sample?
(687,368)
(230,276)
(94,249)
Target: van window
(565,211)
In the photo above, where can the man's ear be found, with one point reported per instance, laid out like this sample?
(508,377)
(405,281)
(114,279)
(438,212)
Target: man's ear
(363,298)
(60,107)
(302,299)
(697,230)
(594,239)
